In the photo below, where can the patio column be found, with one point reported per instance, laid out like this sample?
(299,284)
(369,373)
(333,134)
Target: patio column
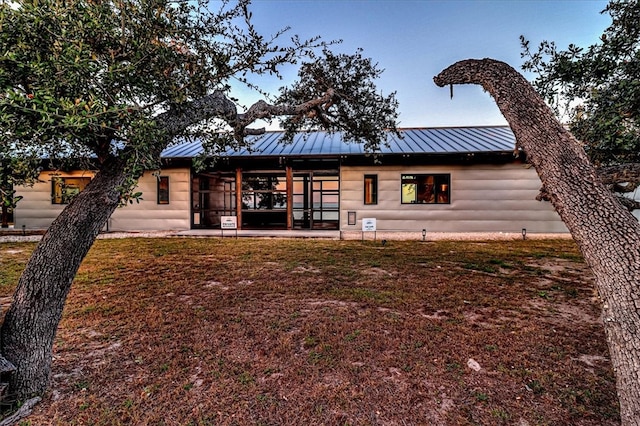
(239,196)
(289,170)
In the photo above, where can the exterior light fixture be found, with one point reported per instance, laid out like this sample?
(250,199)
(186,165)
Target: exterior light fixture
(424,234)
(524,233)
(24,232)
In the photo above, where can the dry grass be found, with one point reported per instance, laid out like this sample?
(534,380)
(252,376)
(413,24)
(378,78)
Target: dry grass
(273,332)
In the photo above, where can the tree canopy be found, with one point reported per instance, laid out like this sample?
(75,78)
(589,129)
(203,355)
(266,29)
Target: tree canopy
(597,90)
(87,79)
(111,84)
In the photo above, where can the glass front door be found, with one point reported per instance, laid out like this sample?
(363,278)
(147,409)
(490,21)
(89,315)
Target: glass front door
(316,197)
(212,196)
(264,201)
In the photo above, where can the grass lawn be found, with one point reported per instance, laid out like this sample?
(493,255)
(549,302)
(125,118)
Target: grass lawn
(181,331)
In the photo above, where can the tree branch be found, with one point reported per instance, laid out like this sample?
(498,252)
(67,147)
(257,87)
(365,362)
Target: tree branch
(22,412)
(218,105)
(628,173)
(262,110)
(628,203)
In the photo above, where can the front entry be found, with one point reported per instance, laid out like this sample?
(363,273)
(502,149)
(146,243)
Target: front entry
(316,198)
(269,200)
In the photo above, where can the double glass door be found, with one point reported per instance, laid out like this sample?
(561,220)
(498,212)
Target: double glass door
(316,200)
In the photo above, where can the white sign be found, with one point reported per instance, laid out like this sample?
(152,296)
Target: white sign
(369,224)
(229,222)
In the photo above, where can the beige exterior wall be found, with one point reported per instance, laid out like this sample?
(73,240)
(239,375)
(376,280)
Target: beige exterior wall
(484,198)
(36,211)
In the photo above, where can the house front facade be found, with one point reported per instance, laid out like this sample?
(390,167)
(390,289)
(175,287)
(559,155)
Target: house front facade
(464,179)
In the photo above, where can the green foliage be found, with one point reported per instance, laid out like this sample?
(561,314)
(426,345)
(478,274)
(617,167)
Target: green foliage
(92,81)
(598,88)
(15,171)
(356,108)
(76,76)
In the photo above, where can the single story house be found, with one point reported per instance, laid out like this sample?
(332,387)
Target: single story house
(462,179)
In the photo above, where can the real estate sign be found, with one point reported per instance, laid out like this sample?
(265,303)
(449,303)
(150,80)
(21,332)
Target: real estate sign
(369,224)
(229,222)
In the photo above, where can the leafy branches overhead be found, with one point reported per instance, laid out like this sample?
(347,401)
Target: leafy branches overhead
(116,82)
(125,77)
(347,83)
(597,87)
(81,74)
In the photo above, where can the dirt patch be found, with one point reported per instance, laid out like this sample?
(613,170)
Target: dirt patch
(304,270)
(377,272)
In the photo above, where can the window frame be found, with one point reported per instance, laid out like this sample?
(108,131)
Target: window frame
(370,191)
(163,194)
(264,192)
(440,188)
(60,197)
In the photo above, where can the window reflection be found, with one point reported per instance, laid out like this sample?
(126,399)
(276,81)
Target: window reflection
(425,189)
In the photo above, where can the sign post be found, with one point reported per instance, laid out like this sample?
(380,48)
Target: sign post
(229,222)
(369,225)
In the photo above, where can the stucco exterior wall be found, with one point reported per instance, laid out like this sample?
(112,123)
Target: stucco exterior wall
(36,211)
(484,198)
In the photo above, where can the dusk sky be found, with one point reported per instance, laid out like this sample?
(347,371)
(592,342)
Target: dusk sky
(413,40)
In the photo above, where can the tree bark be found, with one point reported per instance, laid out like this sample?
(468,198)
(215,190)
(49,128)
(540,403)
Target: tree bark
(31,322)
(606,233)
(5,216)
(30,325)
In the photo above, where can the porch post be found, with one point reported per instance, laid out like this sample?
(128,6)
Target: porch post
(239,196)
(289,197)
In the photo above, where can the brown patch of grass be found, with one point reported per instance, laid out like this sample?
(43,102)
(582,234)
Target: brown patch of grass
(234,332)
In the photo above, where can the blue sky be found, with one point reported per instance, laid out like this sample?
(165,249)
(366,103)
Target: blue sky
(413,40)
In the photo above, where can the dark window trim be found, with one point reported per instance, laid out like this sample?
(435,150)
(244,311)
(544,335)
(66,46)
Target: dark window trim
(441,189)
(163,194)
(373,199)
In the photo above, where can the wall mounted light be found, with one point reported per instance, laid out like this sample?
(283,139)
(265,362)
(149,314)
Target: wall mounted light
(524,233)
(424,234)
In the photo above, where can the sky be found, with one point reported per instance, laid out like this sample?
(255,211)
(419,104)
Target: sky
(413,40)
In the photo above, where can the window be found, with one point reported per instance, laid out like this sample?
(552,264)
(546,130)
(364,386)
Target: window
(163,189)
(264,192)
(63,189)
(371,189)
(426,189)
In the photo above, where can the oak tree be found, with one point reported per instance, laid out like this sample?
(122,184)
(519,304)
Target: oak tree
(110,84)
(607,234)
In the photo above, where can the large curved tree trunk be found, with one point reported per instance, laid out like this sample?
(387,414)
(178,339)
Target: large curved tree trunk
(30,325)
(606,233)
(31,322)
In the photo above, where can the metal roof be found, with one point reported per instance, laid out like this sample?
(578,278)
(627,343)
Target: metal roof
(436,140)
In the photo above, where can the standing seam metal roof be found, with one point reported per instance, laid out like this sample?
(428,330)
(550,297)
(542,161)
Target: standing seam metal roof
(436,140)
